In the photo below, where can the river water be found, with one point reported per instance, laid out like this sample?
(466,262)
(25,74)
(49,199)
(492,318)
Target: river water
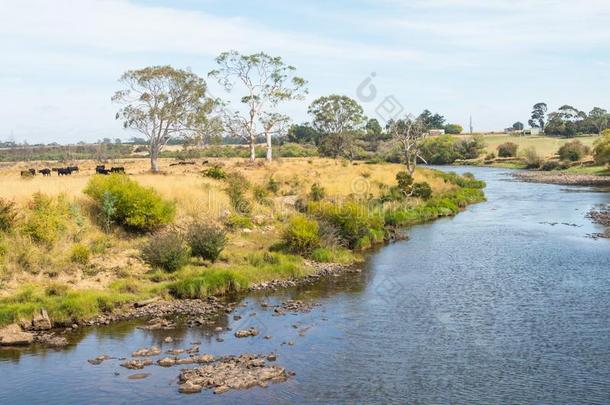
(508,302)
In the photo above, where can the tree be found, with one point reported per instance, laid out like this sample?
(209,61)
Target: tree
(335,114)
(599,118)
(161,102)
(538,118)
(303,133)
(518,126)
(409,134)
(265,81)
(340,144)
(432,121)
(601,149)
(453,129)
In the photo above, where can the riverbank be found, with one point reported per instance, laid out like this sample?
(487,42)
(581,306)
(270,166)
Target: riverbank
(563,178)
(334,229)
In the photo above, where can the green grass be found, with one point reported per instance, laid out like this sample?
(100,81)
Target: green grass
(333,255)
(62,304)
(594,170)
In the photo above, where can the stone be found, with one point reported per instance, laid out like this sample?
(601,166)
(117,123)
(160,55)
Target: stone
(222,389)
(246,333)
(139,376)
(99,359)
(41,321)
(218,329)
(190,388)
(12,335)
(272,357)
(147,352)
(166,362)
(168,339)
(136,364)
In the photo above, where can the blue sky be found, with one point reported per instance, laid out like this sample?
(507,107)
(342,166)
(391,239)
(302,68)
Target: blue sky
(490,58)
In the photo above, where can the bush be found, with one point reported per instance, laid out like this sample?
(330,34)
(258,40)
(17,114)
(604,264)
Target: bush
(317,192)
(135,207)
(573,151)
(421,190)
(440,150)
(404,180)
(215,172)
(273,186)
(237,185)
(601,150)
(167,251)
(46,219)
(8,215)
(454,129)
(206,241)
(531,158)
(470,148)
(508,149)
(261,195)
(236,221)
(302,234)
(79,254)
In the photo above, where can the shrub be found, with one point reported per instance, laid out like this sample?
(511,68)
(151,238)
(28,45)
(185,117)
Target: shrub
(508,149)
(601,150)
(573,151)
(273,186)
(79,254)
(46,219)
(531,158)
(206,241)
(8,215)
(550,165)
(440,150)
(237,221)
(237,185)
(454,129)
(404,180)
(421,190)
(135,207)
(261,195)
(302,234)
(215,172)
(167,251)
(317,192)
(470,148)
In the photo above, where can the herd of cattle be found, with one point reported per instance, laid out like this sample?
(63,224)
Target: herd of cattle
(67,171)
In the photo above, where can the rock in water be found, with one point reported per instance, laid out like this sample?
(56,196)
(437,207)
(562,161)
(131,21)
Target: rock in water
(147,352)
(190,388)
(246,333)
(12,335)
(42,321)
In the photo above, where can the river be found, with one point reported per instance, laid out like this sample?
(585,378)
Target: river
(508,302)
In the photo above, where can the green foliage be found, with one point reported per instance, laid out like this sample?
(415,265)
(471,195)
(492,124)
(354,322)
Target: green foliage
(317,192)
(352,220)
(80,254)
(8,215)
(550,165)
(465,181)
(135,207)
(209,282)
(334,114)
(302,234)
(261,195)
(439,150)
(531,158)
(237,221)
(206,241)
(215,172)
(237,185)
(573,151)
(453,129)
(47,218)
(167,251)
(332,255)
(421,190)
(470,148)
(404,180)
(273,186)
(508,149)
(601,150)
(108,210)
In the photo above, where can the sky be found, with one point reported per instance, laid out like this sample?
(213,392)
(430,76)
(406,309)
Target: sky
(492,59)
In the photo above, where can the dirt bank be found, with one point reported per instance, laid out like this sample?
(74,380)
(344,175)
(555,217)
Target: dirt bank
(563,178)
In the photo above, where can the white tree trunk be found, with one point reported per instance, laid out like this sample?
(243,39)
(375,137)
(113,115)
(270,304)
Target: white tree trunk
(269,148)
(252,149)
(154,155)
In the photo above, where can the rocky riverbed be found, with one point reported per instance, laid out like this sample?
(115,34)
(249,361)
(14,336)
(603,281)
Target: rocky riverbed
(601,216)
(563,178)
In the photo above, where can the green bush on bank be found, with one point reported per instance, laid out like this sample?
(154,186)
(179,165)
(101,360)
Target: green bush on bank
(136,207)
(206,241)
(167,251)
(302,234)
(46,218)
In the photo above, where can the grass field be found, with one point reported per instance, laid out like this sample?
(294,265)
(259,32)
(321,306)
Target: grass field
(112,270)
(546,146)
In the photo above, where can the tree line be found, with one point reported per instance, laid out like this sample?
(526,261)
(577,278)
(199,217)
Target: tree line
(164,104)
(567,121)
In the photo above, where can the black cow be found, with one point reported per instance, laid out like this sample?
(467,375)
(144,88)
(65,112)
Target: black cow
(28,173)
(73,168)
(45,172)
(119,169)
(64,171)
(101,169)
